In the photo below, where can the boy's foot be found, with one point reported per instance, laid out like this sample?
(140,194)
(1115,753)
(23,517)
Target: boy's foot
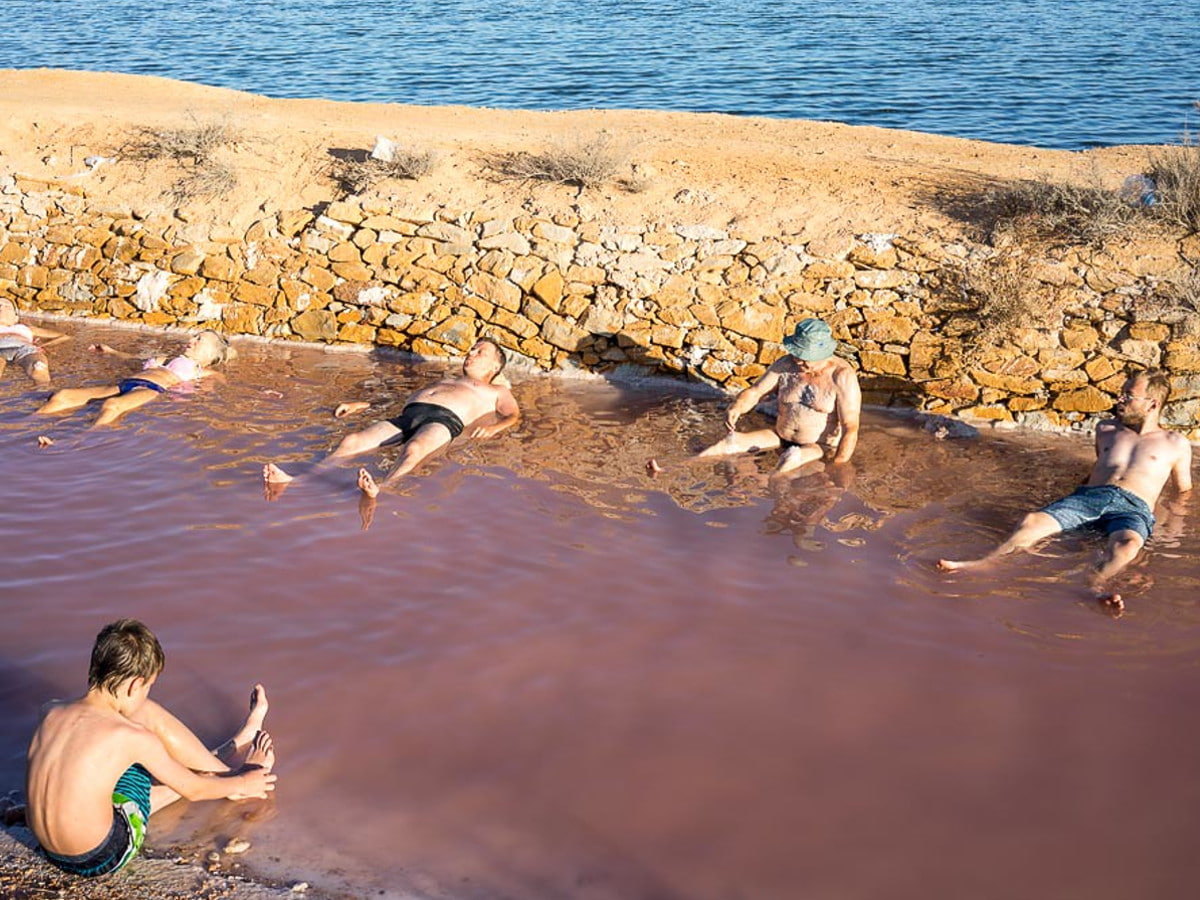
(262,752)
(366,483)
(254,719)
(653,468)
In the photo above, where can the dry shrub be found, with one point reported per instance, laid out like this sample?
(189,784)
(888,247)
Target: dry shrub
(193,148)
(353,176)
(585,163)
(195,144)
(1070,213)
(1175,172)
(991,299)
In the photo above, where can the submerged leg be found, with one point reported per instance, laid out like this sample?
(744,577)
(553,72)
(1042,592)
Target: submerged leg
(1123,546)
(742,442)
(1035,527)
(74,398)
(351,445)
(115,407)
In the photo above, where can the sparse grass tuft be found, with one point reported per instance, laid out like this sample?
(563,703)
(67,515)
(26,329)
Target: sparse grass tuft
(1175,172)
(213,179)
(354,176)
(586,163)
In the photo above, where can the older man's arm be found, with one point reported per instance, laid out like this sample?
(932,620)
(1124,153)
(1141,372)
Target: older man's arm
(751,396)
(849,411)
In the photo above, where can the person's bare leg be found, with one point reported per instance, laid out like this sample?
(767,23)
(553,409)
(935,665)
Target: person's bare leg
(115,407)
(1035,527)
(187,749)
(733,443)
(351,445)
(741,442)
(75,398)
(427,440)
(796,456)
(1122,548)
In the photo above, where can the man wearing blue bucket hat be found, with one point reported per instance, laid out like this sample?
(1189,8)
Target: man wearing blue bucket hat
(819,403)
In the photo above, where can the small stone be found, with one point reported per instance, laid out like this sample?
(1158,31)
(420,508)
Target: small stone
(214,856)
(299,887)
(237,845)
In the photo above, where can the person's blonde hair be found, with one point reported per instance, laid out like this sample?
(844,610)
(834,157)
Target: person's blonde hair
(124,650)
(225,351)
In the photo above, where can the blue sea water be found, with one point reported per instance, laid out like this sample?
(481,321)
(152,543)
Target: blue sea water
(1049,73)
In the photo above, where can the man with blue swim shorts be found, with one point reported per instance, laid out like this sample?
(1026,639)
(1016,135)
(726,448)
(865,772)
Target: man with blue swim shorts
(101,765)
(1135,457)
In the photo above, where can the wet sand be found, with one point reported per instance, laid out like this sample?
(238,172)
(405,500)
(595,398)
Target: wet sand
(540,674)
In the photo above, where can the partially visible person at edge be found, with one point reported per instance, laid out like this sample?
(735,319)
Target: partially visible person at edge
(25,344)
(101,765)
(157,376)
(819,405)
(1135,457)
(431,418)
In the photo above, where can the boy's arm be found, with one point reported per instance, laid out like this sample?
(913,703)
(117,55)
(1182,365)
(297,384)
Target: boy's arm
(148,750)
(507,412)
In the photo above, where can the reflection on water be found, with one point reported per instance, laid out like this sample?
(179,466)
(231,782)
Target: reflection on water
(542,674)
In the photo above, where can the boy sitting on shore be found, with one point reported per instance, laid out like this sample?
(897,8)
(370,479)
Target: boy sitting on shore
(91,760)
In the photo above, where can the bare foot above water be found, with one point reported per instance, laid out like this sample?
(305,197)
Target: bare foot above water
(366,483)
(653,469)
(255,717)
(262,752)
(957,565)
(272,474)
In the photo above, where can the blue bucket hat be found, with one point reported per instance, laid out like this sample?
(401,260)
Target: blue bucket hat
(812,341)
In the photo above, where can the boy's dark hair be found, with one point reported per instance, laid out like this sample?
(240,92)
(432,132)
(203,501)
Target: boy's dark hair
(123,650)
(500,354)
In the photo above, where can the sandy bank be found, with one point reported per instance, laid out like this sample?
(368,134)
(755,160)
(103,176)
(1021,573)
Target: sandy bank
(768,175)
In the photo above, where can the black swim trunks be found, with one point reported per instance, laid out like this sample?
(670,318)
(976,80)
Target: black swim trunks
(415,416)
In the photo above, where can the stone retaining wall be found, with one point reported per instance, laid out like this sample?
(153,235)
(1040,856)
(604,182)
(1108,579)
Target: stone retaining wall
(952,328)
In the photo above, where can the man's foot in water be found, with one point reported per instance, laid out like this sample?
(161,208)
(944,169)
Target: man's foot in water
(366,484)
(958,565)
(275,481)
(653,469)
(1112,603)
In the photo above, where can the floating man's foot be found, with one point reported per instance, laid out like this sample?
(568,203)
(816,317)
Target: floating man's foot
(366,483)
(653,469)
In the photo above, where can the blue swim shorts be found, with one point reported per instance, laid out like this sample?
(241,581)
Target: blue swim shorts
(1105,506)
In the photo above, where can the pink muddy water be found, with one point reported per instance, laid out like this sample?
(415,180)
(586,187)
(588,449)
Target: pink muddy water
(541,674)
